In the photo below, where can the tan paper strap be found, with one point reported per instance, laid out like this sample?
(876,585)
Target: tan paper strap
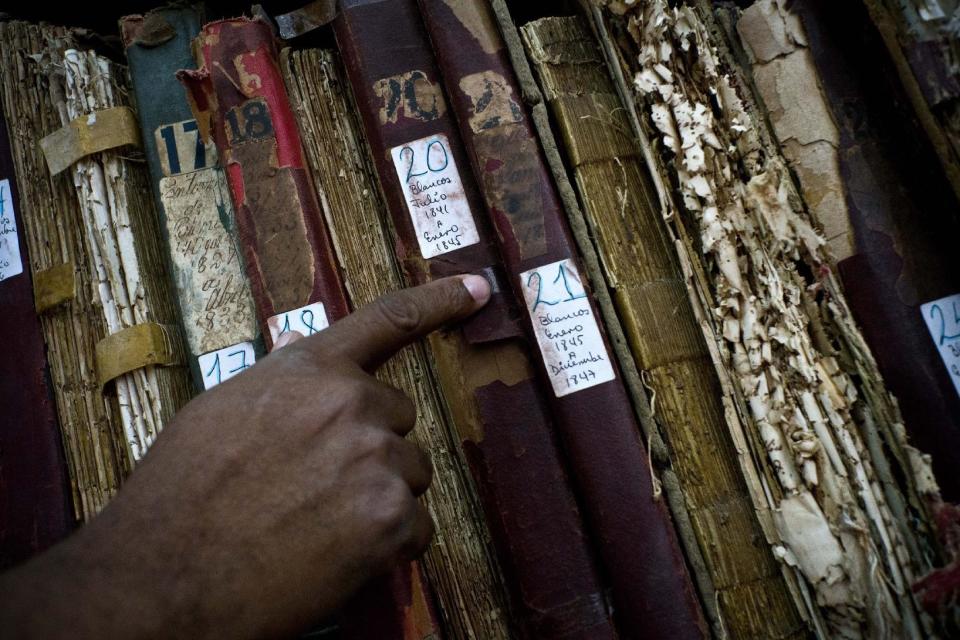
(54,286)
(97,131)
(136,347)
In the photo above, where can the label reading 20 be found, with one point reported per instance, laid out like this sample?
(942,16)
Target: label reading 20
(434,194)
(567,333)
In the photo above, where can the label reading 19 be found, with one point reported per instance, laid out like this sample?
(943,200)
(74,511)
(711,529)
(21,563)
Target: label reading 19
(181,149)
(306,320)
(219,366)
(570,342)
(434,194)
(10,262)
(943,321)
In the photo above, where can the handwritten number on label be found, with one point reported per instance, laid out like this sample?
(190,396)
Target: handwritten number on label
(561,274)
(216,370)
(430,168)
(935,310)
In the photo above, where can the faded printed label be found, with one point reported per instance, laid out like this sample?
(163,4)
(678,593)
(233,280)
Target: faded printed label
(943,321)
(434,193)
(566,329)
(214,295)
(306,320)
(223,364)
(181,149)
(10,261)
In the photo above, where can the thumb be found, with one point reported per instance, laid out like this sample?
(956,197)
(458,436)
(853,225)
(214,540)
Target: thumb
(375,332)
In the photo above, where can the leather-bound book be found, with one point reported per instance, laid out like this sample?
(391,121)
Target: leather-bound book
(240,103)
(633,531)
(485,367)
(192,197)
(35,508)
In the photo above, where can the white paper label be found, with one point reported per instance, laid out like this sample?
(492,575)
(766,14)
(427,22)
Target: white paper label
(943,320)
(223,364)
(435,199)
(566,329)
(306,320)
(10,262)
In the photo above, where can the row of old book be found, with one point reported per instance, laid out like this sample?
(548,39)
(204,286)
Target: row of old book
(724,332)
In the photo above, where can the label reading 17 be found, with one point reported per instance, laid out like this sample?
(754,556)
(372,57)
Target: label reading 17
(181,149)
(219,366)
(943,321)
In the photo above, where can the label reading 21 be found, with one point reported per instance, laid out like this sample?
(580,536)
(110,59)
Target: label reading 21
(943,321)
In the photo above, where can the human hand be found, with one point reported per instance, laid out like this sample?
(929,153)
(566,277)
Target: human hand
(266,502)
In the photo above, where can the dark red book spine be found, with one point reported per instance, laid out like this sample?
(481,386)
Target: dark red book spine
(35,507)
(503,422)
(240,100)
(651,588)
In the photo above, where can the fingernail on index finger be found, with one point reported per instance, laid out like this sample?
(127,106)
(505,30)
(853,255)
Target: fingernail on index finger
(478,287)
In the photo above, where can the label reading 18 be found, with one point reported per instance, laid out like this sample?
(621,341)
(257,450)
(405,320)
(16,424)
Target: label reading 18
(567,333)
(10,262)
(434,194)
(943,321)
(219,366)
(306,320)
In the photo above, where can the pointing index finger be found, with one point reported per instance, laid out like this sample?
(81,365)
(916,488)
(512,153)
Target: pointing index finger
(373,333)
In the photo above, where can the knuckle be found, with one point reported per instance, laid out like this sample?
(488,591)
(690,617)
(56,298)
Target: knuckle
(375,443)
(400,312)
(394,506)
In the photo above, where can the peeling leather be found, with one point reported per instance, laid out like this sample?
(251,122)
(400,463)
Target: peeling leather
(411,95)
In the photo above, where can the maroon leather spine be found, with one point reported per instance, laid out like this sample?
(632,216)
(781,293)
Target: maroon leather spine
(504,425)
(35,507)
(240,100)
(904,217)
(637,544)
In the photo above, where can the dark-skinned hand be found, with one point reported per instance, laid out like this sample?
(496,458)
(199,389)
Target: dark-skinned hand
(264,504)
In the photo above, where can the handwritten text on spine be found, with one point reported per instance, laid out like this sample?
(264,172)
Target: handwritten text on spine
(10,262)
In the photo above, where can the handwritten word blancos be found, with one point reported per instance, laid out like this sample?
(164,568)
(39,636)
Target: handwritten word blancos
(434,194)
(221,365)
(10,262)
(943,321)
(566,329)
(306,321)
